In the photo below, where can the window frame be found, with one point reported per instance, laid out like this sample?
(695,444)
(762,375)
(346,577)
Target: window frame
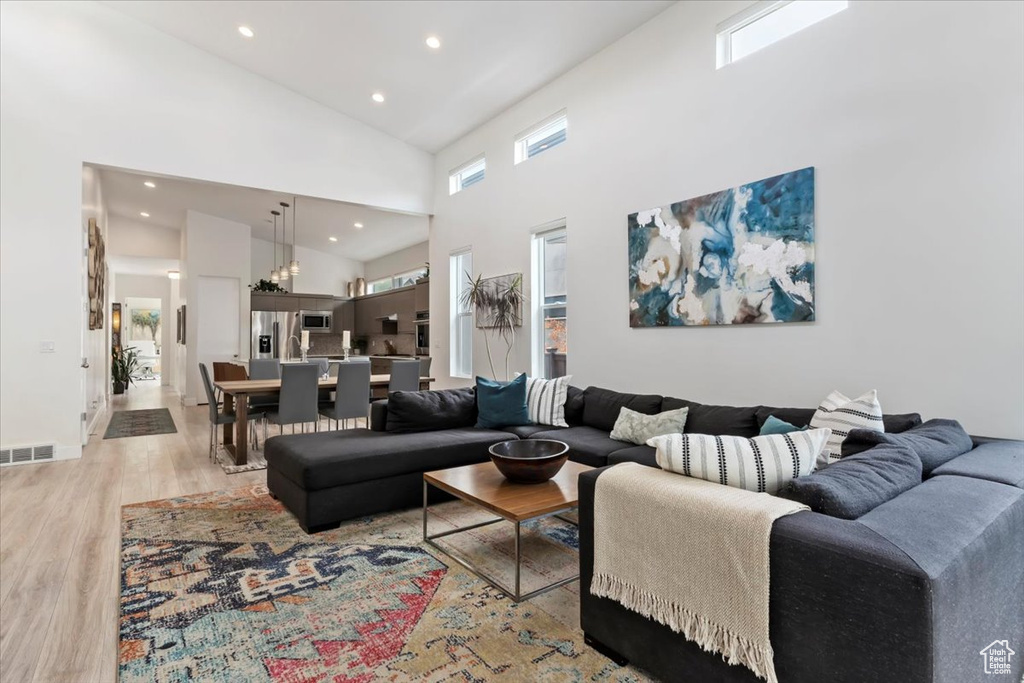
(456,178)
(725,30)
(539,239)
(521,149)
(456,281)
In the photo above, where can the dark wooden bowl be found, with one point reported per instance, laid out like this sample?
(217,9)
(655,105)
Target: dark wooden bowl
(531,461)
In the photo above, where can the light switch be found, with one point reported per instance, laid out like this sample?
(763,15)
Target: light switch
(47,347)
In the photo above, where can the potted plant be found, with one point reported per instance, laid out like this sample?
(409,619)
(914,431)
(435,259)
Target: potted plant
(267,286)
(123,364)
(499,303)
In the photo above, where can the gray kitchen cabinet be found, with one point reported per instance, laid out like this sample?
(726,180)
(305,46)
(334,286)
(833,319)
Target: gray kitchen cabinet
(288,303)
(344,317)
(263,302)
(422,296)
(308,303)
(405,307)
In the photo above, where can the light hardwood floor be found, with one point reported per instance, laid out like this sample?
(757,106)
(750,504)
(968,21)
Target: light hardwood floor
(60,539)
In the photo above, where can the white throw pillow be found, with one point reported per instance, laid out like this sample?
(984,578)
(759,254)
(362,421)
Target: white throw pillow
(762,464)
(841,414)
(545,400)
(637,427)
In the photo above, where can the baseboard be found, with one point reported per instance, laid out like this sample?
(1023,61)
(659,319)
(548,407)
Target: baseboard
(101,411)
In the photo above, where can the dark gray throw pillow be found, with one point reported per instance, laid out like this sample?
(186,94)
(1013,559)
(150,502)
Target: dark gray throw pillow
(601,406)
(424,411)
(936,442)
(574,406)
(854,486)
(801,417)
(718,420)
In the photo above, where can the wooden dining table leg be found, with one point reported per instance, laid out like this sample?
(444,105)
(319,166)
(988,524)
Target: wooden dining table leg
(229,407)
(242,429)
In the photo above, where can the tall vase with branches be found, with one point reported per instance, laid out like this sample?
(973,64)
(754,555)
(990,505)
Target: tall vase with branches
(501,307)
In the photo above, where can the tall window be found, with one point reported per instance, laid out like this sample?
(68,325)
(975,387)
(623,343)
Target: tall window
(549,304)
(461,351)
(542,137)
(768,22)
(466,175)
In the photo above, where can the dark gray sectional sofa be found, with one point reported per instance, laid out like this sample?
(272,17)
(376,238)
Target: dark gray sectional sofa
(910,591)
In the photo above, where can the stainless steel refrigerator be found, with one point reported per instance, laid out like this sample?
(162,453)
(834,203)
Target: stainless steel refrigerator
(272,332)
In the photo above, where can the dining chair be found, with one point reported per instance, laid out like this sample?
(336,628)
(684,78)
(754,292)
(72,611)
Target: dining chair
(223,372)
(259,406)
(297,403)
(405,375)
(217,418)
(352,395)
(425,366)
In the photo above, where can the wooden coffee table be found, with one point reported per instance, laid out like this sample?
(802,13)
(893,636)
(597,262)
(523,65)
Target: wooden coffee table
(484,486)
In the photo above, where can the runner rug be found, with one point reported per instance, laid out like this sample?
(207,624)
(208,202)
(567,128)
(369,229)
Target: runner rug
(226,587)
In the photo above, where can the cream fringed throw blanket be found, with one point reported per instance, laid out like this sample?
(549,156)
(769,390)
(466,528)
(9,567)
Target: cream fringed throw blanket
(690,554)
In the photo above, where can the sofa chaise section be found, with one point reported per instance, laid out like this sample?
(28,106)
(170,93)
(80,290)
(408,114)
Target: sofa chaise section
(329,477)
(888,597)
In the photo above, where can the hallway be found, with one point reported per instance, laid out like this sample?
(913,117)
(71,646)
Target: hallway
(60,538)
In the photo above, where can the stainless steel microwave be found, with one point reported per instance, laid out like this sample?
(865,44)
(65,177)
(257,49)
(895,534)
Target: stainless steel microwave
(315,321)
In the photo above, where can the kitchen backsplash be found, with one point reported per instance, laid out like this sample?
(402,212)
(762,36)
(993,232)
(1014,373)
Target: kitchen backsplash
(330,344)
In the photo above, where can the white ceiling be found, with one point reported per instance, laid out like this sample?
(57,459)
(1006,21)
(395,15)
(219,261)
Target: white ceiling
(492,54)
(383,232)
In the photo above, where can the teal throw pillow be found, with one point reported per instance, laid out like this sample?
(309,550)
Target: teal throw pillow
(501,404)
(774,425)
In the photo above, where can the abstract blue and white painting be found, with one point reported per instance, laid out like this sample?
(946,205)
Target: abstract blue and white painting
(743,255)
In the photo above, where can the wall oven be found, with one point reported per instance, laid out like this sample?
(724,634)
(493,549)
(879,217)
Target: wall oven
(423,333)
(315,321)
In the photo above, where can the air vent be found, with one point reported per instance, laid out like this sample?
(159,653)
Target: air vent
(22,454)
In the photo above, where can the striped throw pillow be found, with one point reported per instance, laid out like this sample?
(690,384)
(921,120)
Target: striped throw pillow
(841,414)
(545,400)
(763,464)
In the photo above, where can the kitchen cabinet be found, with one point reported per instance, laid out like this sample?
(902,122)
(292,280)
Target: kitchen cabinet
(344,317)
(288,303)
(263,302)
(405,307)
(380,366)
(422,296)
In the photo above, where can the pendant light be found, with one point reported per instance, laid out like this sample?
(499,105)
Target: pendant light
(294,265)
(282,271)
(274,277)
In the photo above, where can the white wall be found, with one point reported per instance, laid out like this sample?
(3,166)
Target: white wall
(83,83)
(214,247)
(131,238)
(401,261)
(320,272)
(96,342)
(155,288)
(911,114)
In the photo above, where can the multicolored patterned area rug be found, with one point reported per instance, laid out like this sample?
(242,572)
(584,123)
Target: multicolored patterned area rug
(226,587)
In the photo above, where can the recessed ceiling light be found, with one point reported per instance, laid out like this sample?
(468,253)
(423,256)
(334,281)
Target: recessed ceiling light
(246,31)
(143,214)
(150,184)
(358,225)
(333,239)
(433,42)
(377,97)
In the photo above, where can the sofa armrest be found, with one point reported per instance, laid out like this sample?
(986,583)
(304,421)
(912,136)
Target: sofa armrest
(845,605)
(379,415)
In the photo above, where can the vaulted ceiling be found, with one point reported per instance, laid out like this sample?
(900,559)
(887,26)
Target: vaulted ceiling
(492,53)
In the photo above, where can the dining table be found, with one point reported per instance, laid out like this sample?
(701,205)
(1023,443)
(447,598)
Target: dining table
(236,402)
